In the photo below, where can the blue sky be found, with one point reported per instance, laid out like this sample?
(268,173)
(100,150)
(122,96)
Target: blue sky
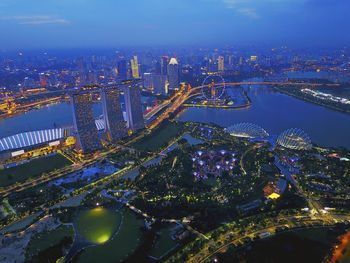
(113,23)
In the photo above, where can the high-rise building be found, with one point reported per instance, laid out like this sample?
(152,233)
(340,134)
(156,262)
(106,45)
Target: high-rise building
(158,84)
(173,74)
(113,115)
(135,68)
(84,123)
(147,80)
(122,70)
(253,58)
(43,80)
(133,107)
(221,64)
(164,65)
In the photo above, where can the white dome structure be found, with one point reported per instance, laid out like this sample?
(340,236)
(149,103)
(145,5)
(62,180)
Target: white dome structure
(295,139)
(247,130)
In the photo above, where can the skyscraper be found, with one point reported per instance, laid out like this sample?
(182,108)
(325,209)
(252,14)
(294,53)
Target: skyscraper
(221,64)
(133,107)
(164,65)
(173,74)
(113,115)
(158,84)
(147,80)
(84,123)
(43,80)
(122,70)
(135,68)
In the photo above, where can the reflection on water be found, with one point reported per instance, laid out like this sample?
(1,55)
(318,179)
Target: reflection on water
(276,112)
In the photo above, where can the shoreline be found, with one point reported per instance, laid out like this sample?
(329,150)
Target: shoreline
(311,101)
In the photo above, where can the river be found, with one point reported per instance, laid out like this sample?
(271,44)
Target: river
(270,109)
(276,112)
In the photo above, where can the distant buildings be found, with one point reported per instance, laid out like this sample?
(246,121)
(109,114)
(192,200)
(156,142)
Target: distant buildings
(84,123)
(135,68)
(173,74)
(221,67)
(164,65)
(133,107)
(159,84)
(122,70)
(155,82)
(113,115)
(43,80)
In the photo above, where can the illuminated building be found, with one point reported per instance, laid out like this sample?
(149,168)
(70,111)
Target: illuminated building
(135,68)
(253,58)
(221,64)
(133,107)
(122,70)
(84,123)
(240,61)
(247,130)
(147,80)
(43,80)
(158,84)
(295,139)
(173,74)
(113,115)
(164,65)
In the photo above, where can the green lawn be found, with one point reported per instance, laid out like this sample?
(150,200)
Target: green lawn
(32,169)
(122,245)
(159,138)
(44,240)
(21,224)
(163,244)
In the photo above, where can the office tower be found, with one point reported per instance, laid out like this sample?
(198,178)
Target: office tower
(164,65)
(122,70)
(173,74)
(84,123)
(135,68)
(133,107)
(221,64)
(113,115)
(230,60)
(240,61)
(43,80)
(147,80)
(253,58)
(158,84)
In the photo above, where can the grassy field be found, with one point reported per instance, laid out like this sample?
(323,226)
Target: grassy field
(21,224)
(32,169)
(98,224)
(122,245)
(45,240)
(163,244)
(159,138)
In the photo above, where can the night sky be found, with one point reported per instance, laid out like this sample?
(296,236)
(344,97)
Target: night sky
(110,23)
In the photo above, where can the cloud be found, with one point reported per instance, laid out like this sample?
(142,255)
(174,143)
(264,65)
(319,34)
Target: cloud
(25,17)
(243,7)
(36,19)
(250,12)
(49,21)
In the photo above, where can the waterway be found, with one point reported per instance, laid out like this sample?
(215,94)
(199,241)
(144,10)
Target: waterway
(276,112)
(270,109)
